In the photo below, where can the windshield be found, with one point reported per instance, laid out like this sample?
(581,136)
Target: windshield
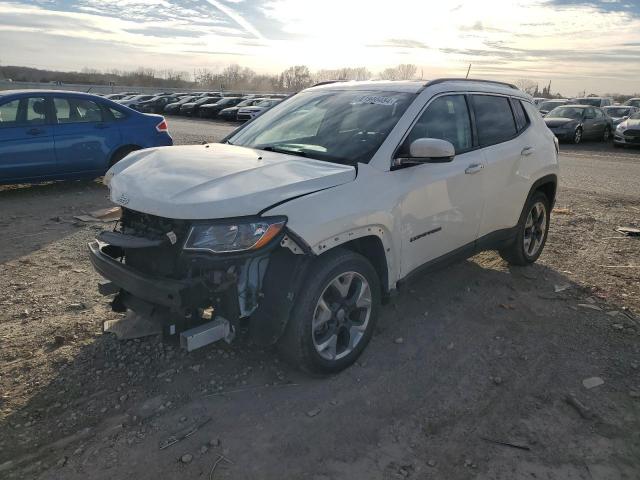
(635,116)
(344,127)
(566,112)
(634,102)
(186,99)
(594,102)
(549,105)
(617,111)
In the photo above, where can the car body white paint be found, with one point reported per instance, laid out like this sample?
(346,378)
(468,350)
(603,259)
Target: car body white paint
(477,193)
(216,180)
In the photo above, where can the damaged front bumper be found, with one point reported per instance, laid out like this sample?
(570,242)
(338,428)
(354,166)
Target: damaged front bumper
(197,295)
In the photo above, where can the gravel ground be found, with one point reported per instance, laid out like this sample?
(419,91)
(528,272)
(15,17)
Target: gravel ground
(475,371)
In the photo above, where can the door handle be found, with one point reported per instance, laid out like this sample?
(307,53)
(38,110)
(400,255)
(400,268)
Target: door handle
(475,168)
(35,131)
(527,151)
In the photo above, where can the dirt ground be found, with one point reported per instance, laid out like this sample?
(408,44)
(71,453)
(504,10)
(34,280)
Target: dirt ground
(475,371)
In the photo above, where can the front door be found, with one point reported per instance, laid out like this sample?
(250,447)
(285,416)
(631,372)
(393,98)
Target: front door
(443,205)
(26,140)
(84,135)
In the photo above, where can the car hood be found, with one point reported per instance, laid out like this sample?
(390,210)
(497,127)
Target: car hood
(558,122)
(216,180)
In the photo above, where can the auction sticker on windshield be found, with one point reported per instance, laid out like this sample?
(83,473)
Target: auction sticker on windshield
(374,99)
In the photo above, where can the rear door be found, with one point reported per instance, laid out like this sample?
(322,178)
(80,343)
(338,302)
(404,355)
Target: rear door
(505,140)
(85,135)
(26,139)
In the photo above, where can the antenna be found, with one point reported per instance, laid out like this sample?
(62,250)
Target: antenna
(468,70)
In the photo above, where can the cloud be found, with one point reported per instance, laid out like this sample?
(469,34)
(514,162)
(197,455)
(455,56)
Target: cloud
(561,39)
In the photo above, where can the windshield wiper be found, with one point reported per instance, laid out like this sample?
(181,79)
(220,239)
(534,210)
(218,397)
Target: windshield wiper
(286,151)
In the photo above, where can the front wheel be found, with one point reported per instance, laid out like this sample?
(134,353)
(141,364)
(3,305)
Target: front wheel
(606,136)
(532,232)
(334,316)
(577,136)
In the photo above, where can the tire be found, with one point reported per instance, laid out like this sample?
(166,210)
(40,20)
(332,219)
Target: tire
(344,324)
(120,154)
(533,228)
(577,136)
(606,136)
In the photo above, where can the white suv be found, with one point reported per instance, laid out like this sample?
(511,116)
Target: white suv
(303,220)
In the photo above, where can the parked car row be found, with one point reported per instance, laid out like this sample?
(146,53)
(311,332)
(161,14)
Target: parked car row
(56,135)
(225,105)
(577,119)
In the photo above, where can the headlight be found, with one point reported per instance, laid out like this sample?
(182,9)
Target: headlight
(622,126)
(226,237)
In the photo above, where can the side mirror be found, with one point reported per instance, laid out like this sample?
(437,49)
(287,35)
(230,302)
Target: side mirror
(425,150)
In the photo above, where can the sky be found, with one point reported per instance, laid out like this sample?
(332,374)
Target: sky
(577,45)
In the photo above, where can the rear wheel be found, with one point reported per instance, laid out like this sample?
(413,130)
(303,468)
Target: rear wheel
(532,232)
(334,316)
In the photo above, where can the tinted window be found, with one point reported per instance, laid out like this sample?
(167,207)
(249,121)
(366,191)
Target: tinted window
(77,110)
(24,111)
(494,119)
(522,120)
(599,113)
(446,118)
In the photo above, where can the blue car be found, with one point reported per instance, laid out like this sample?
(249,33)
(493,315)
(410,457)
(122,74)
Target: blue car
(57,135)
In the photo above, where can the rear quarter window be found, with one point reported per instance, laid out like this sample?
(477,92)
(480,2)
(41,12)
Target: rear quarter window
(494,119)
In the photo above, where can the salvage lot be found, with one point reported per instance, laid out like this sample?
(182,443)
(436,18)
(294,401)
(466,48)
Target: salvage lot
(466,357)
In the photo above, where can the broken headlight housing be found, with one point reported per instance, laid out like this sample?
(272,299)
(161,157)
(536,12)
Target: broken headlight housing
(234,236)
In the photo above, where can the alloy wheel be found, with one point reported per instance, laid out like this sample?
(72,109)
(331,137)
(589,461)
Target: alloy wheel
(577,138)
(535,229)
(341,316)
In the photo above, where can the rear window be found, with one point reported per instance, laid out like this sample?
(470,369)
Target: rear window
(494,119)
(522,120)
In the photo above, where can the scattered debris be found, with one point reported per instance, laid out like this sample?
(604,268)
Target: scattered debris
(185,433)
(507,306)
(590,306)
(215,442)
(77,306)
(497,380)
(399,340)
(581,408)
(432,463)
(450,346)
(619,266)
(313,412)
(221,458)
(102,215)
(519,446)
(592,382)
(562,211)
(629,231)
(561,288)
(132,326)
(186,458)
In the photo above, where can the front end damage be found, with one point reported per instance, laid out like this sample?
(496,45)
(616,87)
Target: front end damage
(198,295)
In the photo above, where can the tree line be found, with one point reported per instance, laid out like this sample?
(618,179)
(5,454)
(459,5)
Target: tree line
(233,77)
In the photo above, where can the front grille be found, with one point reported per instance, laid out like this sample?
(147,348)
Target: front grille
(161,260)
(632,133)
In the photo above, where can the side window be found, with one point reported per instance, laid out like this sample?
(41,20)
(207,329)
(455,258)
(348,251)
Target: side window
(494,119)
(446,118)
(23,111)
(9,113)
(522,120)
(117,114)
(77,110)
(590,113)
(36,110)
(599,113)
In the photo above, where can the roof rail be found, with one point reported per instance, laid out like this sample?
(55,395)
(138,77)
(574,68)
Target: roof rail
(441,80)
(327,82)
